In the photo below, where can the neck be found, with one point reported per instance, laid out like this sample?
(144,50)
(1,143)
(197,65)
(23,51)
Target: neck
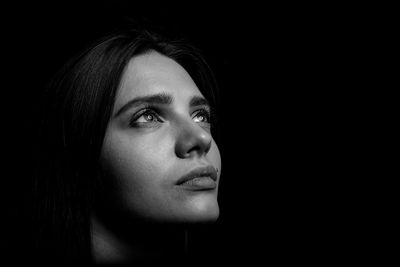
(122,242)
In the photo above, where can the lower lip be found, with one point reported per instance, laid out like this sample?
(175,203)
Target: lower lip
(199,183)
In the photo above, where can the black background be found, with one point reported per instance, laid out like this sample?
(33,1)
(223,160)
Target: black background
(290,81)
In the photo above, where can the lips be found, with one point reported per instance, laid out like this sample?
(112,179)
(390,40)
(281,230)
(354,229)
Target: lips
(199,178)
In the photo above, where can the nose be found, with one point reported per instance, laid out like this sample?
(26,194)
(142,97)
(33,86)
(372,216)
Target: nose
(192,140)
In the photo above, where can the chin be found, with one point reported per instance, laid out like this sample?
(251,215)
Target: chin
(200,212)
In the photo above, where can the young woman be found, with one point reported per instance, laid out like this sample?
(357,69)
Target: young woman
(128,162)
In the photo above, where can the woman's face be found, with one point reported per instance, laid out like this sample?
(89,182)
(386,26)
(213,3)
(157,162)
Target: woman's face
(158,151)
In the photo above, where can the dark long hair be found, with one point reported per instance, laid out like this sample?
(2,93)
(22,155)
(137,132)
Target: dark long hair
(75,111)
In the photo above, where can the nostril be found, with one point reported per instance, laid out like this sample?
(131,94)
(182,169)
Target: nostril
(196,149)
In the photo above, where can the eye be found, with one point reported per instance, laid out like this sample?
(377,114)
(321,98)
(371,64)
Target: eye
(202,116)
(145,117)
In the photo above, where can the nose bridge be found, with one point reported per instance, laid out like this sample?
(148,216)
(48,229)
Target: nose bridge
(192,139)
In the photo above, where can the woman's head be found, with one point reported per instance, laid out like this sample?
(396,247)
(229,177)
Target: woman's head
(159,133)
(124,123)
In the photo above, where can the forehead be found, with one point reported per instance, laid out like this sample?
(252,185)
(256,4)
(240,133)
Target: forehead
(153,73)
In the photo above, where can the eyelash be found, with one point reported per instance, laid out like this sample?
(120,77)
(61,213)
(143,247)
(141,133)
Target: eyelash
(208,115)
(204,112)
(145,111)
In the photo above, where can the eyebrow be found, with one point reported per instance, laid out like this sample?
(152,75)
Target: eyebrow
(160,99)
(198,101)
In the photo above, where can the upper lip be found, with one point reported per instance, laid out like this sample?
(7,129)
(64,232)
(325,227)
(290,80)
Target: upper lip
(207,171)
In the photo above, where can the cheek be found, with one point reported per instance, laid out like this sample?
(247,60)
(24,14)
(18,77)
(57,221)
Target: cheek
(136,169)
(130,155)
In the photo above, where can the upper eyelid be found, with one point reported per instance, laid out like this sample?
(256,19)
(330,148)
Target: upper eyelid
(208,108)
(145,110)
(145,107)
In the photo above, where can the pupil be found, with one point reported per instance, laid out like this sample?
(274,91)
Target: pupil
(200,118)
